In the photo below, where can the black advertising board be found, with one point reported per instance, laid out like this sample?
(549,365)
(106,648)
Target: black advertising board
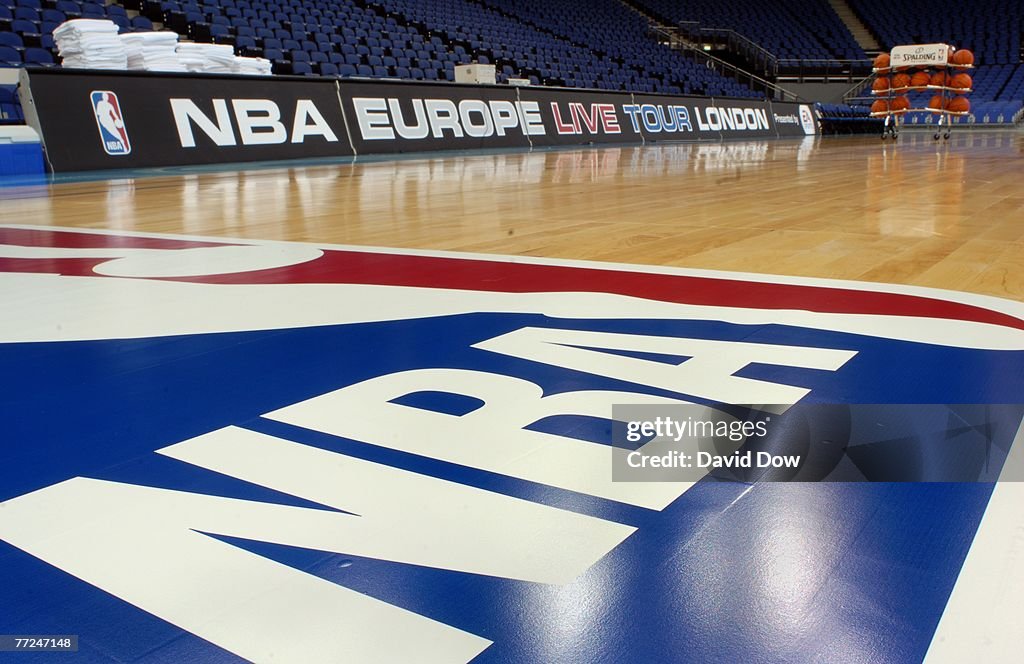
(793,119)
(580,117)
(665,118)
(399,116)
(93,120)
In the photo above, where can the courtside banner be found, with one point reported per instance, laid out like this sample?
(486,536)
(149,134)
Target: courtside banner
(92,120)
(581,117)
(222,449)
(663,118)
(395,116)
(792,119)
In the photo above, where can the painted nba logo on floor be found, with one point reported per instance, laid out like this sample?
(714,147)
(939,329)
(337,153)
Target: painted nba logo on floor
(110,122)
(315,453)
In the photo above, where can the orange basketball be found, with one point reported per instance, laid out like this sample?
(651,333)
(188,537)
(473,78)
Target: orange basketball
(937,102)
(961,82)
(962,57)
(880,106)
(900,104)
(882,63)
(881,84)
(920,79)
(939,79)
(959,104)
(900,81)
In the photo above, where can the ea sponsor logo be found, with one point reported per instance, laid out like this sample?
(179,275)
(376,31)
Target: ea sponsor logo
(807,120)
(110,122)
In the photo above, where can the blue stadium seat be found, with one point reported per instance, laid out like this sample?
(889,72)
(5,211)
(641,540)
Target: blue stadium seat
(38,56)
(10,55)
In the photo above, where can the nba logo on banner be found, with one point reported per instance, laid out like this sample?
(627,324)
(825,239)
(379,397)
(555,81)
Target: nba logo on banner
(110,122)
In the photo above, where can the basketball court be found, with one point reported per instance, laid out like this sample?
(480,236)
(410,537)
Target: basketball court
(361,411)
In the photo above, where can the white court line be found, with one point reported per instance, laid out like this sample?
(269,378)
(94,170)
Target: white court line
(982,620)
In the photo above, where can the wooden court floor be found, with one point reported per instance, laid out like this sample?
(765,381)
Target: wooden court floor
(172,430)
(947,214)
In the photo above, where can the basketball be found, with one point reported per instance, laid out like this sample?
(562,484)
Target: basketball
(961,82)
(881,63)
(939,79)
(959,104)
(881,84)
(880,106)
(962,57)
(920,79)
(900,81)
(938,102)
(900,104)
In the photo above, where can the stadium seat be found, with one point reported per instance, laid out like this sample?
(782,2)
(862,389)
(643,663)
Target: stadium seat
(38,56)
(9,55)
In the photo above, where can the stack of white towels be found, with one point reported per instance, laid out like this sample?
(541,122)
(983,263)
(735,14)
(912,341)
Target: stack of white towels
(90,44)
(252,66)
(209,58)
(94,44)
(152,51)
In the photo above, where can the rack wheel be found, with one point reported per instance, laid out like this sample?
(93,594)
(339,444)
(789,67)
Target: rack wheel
(937,134)
(946,136)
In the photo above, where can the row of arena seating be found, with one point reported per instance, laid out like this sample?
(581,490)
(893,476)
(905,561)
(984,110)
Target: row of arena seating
(415,39)
(989,28)
(837,119)
(601,44)
(26,27)
(998,82)
(797,29)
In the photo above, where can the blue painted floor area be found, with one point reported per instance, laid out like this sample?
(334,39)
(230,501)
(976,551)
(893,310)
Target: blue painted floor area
(838,572)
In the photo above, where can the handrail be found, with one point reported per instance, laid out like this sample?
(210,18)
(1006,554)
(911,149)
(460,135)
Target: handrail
(828,68)
(770,64)
(854,92)
(758,53)
(859,61)
(676,41)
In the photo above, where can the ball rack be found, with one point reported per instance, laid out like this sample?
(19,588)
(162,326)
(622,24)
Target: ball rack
(894,117)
